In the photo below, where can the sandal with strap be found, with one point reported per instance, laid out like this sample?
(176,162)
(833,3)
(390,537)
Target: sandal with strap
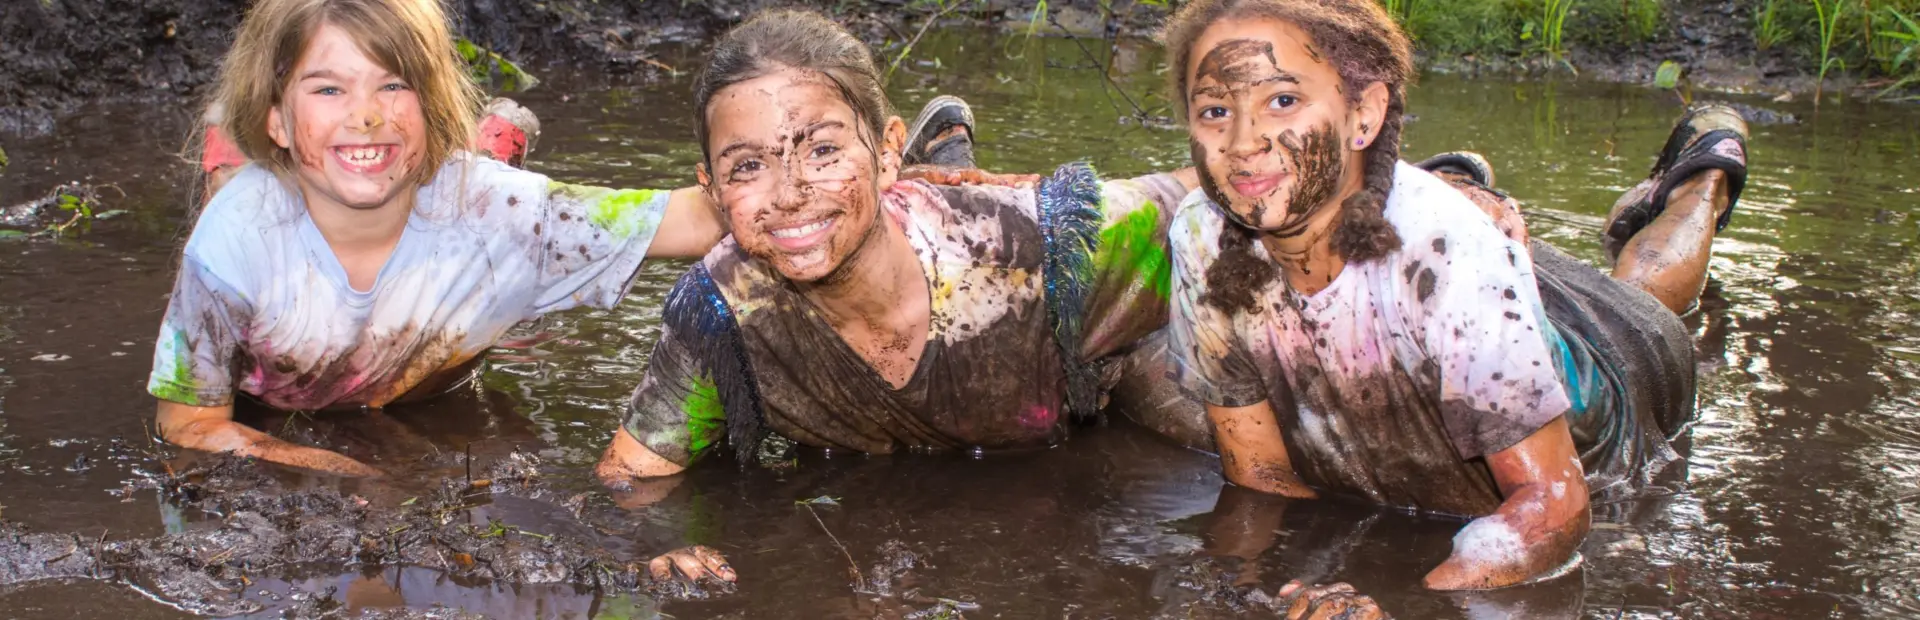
(1464,163)
(1708,137)
(924,146)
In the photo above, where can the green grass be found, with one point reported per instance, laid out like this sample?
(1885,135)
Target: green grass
(1876,40)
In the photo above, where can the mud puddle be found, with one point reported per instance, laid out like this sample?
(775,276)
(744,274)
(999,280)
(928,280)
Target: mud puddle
(1798,500)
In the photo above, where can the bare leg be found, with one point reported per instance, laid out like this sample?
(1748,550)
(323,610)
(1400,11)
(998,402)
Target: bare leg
(1668,257)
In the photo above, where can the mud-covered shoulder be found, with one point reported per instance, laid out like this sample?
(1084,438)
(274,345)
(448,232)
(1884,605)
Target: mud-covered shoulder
(1191,237)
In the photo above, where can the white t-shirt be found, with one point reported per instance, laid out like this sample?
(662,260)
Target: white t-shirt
(1387,381)
(263,306)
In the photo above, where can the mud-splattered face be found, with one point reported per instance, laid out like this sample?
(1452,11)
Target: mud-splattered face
(795,173)
(1272,131)
(355,128)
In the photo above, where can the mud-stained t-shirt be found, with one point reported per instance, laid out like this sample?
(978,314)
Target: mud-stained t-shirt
(261,305)
(1030,288)
(1392,379)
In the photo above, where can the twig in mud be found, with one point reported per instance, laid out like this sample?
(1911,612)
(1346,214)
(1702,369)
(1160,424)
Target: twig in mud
(662,65)
(853,569)
(944,11)
(1104,73)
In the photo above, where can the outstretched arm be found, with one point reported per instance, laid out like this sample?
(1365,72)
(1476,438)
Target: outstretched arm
(691,227)
(212,429)
(1253,453)
(1537,528)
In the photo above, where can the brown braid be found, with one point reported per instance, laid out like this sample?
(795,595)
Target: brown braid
(1364,233)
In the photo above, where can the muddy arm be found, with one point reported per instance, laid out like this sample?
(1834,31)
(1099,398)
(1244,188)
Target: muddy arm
(1252,452)
(212,429)
(626,459)
(691,227)
(1537,529)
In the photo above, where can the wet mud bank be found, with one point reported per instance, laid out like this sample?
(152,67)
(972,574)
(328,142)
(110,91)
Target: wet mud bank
(250,526)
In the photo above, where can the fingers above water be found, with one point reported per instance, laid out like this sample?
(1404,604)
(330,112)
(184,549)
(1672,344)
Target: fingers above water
(692,563)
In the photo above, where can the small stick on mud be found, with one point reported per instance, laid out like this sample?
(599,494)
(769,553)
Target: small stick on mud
(853,569)
(661,65)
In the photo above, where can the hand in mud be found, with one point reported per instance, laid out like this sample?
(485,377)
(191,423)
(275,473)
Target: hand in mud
(315,459)
(943,175)
(1538,527)
(1327,602)
(694,563)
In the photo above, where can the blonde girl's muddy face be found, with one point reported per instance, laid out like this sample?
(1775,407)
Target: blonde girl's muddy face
(795,173)
(354,127)
(1272,131)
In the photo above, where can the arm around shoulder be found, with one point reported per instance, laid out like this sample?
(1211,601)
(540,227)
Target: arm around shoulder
(691,227)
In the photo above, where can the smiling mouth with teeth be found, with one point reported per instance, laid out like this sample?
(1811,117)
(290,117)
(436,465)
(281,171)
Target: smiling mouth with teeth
(797,232)
(364,157)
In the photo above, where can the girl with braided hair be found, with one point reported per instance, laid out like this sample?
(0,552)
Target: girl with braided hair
(1358,326)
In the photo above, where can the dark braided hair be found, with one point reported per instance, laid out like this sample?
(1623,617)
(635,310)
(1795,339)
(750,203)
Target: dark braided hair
(1366,46)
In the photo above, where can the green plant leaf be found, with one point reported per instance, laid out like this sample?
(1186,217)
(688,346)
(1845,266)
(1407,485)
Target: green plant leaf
(1668,76)
(109,214)
(12,234)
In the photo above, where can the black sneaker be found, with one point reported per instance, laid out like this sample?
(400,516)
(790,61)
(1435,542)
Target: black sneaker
(931,139)
(1466,164)
(1709,137)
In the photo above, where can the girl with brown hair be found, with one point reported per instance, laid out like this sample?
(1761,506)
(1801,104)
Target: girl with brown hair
(364,257)
(1358,326)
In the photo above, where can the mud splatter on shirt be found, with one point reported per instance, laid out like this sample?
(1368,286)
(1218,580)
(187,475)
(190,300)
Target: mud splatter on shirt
(1391,381)
(262,306)
(998,262)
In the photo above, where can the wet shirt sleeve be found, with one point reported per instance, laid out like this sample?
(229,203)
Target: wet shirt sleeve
(1132,271)
(193,359)
(1479,318)
(1211,361)
(679,411)
(594,241)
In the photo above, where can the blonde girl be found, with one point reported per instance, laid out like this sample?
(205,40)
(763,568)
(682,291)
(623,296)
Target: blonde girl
(364,258)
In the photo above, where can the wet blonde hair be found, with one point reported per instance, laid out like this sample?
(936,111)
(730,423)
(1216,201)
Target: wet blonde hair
(410,38)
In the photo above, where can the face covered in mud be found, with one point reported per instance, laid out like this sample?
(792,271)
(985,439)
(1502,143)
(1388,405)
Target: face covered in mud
(1274,133)
(796,173)
(354,127)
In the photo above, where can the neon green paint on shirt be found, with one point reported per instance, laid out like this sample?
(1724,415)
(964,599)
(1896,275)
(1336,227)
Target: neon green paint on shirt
(1133,243)
(706,420)
(180,387)
(622,212)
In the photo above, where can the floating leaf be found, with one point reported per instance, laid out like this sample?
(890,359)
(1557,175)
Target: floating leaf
(12,234)
(1667,76)
(3,158)
(824,500)
(107,215)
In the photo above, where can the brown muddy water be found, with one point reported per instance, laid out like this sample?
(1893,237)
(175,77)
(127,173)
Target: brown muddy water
(1801,498)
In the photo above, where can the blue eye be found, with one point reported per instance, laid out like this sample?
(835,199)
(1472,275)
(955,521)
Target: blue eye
(825,150)
(395,87)
(327,90)
(747,165)
(1283,102)
(1213,113)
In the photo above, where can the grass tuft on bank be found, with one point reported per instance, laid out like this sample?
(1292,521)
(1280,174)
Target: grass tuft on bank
(1875,40)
